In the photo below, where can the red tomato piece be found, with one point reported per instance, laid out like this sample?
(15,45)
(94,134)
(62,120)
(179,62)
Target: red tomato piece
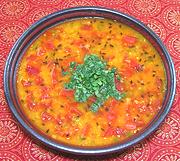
(140,123)
(118,84)
(66,62)
(49,45)
(46,116)
(45,93)
(92,99)
(66,93)
(59,120)
(130,40)
(38,80)
(30,103)
(32,57)
(111,116)
(54,75)
(76,111)
(159,82)
(84,49)
(68,117)
(130,126)
(85,130)
(40,52)
(114,102)
(119,131)
(78,42)
(133,63)
(68,50)
(145,46)
(25,83)
(109,132)
(31,70)
(86,27)
(109,58)
(46,104)
(127,72)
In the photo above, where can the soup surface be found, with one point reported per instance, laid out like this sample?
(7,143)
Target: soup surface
(91,82)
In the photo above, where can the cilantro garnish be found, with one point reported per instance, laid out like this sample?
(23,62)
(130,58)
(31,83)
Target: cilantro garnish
(93,79)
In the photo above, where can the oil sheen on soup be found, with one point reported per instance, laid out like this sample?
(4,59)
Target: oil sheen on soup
(91,82)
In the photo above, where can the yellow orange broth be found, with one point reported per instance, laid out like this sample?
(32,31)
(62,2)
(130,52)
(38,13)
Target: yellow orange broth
(52,109)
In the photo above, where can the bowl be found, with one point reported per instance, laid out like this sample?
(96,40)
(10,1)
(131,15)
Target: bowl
(73,13)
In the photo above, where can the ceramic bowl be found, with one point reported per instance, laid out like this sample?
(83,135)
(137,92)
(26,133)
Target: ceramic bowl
(65,15)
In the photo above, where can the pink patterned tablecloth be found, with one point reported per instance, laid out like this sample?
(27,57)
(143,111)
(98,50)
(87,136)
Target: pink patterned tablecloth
(162,16)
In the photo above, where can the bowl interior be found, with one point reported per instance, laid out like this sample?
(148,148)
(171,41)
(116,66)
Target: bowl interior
(59,17)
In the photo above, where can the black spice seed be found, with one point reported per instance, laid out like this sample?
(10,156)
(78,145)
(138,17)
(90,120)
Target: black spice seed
(154,56)
(145,52)
(83,138)
(43,124)
(46,57)
(105,44)
(26,91)
(111,45)
(59,45)
(22,100)
(102,129)
(131,82)
(99,43)
(67,135)
(45,62)
(150,57)
(101,21)
(47,131)
(106,109)
(61,106)
(109,39)
(120,26)
(131,46)
(110,31)
(121,33)
(97,123)
(157,65)
(140,60)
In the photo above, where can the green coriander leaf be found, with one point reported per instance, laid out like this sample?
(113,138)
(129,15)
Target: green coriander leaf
(93,79)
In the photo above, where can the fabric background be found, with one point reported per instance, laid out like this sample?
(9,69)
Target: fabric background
(162,16)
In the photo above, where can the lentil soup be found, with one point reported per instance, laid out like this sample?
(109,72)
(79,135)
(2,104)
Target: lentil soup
(91,82)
